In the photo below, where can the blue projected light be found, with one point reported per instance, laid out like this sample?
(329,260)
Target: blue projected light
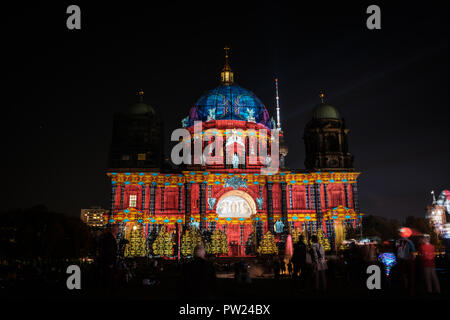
(229,102)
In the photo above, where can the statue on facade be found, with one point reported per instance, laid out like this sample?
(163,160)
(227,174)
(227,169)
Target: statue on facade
(185,122)
(211,114)
(235,161)
(251,115)
(279,226)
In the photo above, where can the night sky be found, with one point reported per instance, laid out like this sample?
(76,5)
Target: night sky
(63,87)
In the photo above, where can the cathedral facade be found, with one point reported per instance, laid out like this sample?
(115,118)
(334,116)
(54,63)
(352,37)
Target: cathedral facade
(232,194)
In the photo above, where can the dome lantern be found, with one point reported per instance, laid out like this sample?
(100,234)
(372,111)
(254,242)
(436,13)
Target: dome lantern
(226,76)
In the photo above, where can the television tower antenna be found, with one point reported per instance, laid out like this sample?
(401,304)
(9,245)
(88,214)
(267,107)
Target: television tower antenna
(278,104)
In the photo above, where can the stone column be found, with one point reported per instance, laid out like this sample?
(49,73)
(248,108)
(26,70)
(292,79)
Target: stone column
(187,204)
(269,207)
(152,200)
(355,197)
(346,195)
(284,216)
(144,189)
(122,192)
(325,190)
(113,200)
(202,207)
(318,205)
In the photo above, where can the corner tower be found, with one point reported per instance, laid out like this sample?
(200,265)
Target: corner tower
(326,140)
(137,137)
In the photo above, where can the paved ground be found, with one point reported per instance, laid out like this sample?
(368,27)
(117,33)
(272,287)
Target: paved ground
(267,289)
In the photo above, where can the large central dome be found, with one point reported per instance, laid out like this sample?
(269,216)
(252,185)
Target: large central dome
(230,102)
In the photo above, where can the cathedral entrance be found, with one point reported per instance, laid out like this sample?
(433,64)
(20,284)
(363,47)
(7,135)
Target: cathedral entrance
(236,204)
(239,206)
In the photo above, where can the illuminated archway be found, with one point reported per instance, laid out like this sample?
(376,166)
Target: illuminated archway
(236,204)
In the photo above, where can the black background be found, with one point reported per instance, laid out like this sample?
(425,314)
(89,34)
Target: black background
(63,87)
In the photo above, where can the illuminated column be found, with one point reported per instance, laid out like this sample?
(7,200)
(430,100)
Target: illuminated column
(187,204)
(318,206)
(122,192)
(284,206)
(152,200)
(330,231)
(269,207)
(290,197)
(346,195)
(312,190)
(180,199)
(202,207)
(113,199)
(162,199)
(307,196)
(355,197)
(144,187)
(326,195)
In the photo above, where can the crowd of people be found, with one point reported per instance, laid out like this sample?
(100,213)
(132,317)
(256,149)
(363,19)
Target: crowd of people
(310,267)
(414,266)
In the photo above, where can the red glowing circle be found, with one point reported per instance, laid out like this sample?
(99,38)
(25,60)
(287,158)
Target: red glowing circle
(405,232)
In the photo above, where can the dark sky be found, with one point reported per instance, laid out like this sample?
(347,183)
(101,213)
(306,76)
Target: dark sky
(63,87)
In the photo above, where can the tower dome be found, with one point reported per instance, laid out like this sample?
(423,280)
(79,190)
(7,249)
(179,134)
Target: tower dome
(325,111)
(140,107)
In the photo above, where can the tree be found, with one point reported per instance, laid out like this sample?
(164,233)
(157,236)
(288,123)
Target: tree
(163,244)
(136,246)
(323,240)
(268,245)
(191,238)
(218,243)
(384,228)
(296,233)
(423,226)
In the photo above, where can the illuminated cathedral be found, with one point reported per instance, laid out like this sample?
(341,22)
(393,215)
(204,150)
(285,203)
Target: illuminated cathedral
(233,195)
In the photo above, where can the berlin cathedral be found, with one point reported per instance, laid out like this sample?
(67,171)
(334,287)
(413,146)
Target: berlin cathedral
(232,196)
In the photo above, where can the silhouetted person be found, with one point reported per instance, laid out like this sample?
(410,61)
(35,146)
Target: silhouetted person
(405,259)
(198,277)
(319,263)
(283,267)
(289,267)
(299,260)
(354,265)
(108,256)
(427,253)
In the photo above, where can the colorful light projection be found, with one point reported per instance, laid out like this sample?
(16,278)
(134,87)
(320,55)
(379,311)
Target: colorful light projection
(236,204)
(388,260)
